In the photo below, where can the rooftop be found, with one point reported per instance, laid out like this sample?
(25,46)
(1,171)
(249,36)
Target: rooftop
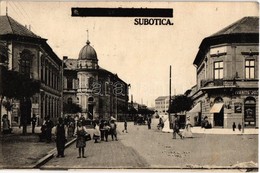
(245,25)
(10,26)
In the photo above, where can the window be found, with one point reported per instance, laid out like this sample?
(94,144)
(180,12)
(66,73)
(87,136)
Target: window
(69,83)
(25,62)
(218,70)
(250,69)
(83,82)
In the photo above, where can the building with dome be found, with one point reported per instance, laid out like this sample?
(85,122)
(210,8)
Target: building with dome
(100,93)
(227,76)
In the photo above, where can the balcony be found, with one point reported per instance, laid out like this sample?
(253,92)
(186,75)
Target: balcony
(218,83)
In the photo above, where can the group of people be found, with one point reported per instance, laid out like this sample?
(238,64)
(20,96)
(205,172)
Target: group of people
(176,126)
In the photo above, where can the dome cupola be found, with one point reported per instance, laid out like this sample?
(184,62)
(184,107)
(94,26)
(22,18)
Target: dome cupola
(88,53)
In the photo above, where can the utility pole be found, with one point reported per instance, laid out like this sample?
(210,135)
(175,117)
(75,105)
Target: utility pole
(170,90)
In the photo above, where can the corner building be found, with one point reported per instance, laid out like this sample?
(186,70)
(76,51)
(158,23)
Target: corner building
(227,75)
(100,93)
(31,55)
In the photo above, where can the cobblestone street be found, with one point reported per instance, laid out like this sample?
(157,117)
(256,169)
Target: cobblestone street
(143,148)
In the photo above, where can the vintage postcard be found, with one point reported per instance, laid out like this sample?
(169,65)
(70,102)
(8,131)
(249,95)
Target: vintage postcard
(129,85)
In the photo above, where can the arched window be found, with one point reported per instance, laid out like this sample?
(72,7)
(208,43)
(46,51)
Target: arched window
(250,100)
(250,111)
(218,100)
(25,62)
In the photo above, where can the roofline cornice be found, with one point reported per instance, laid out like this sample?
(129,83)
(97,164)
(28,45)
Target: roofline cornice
(221,39)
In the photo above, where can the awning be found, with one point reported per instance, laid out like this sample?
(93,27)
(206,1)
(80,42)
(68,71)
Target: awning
(196,108)
(216,108)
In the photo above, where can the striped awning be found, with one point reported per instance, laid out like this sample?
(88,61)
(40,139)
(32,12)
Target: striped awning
(216,108)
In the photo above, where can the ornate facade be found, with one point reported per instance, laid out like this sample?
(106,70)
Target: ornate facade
(31,55)
(227,75)
(100,93)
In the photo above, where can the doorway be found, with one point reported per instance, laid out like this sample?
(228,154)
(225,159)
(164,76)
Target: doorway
(219,118)
(249,112)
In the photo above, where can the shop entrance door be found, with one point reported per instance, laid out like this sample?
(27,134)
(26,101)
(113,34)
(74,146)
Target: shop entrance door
(219,118)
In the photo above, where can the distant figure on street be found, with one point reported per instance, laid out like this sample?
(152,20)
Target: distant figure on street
(82,119)
(125,127)
(61,137)
(234,126)
(176,126)
(46,130)
(80,132)
(102,130)
(239,127)
(107,130)
(113,127)
(33,120)
(149,122)
(187,131)
(161,123)
(6,125)
(96,133)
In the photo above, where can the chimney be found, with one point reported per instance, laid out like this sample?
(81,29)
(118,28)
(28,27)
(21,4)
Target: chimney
(25,26)
(65,57)
(30,27)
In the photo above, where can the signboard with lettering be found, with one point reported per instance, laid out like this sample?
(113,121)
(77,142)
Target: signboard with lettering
(247,92)
(238,107)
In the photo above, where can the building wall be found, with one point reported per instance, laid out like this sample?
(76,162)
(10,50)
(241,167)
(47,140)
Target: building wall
(234,88)
(42,68)
(162,105)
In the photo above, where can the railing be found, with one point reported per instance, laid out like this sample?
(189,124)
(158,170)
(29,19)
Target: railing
(217,82)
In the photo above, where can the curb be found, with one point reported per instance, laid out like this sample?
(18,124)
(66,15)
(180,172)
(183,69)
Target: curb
(50,155)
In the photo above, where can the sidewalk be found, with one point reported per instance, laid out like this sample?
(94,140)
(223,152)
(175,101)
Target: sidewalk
(219,131)
(20,151)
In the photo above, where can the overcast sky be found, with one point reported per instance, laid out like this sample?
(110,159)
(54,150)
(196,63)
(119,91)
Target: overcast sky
(140,55)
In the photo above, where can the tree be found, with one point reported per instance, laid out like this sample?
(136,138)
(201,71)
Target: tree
(71,108)
(180,103)
(20,87)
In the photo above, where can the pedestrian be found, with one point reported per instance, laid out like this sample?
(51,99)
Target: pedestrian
(61,137)
(239,127)
(161,123)
(149,122)
(187,131)
(6,125)
(96,133)
(49,125)
(234,126)
(176,126)
(83,120)
(125,127)
(107,130)
(102,130)
(80,132)
(33,120)
(113,127)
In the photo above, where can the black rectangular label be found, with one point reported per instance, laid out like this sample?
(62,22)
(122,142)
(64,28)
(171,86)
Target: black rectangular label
(121,12)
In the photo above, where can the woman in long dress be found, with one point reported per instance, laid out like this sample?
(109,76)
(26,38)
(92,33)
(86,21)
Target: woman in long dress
(80,132)
(187,131)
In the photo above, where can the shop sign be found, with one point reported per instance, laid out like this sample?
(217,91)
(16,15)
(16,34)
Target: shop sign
(247,92)
(238,107)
